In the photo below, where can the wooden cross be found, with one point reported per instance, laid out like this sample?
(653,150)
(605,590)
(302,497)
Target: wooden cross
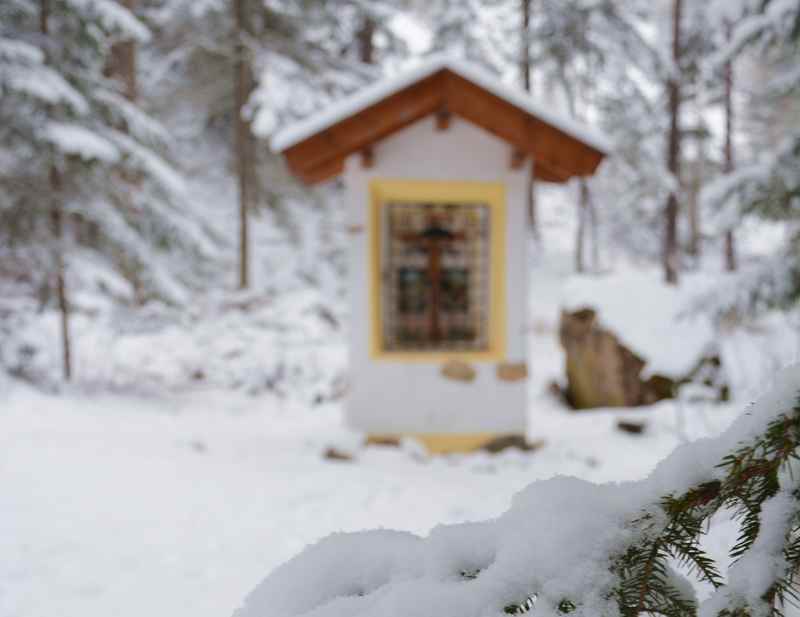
(434,240)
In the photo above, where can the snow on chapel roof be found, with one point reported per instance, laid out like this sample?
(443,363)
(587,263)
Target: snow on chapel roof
(315,148)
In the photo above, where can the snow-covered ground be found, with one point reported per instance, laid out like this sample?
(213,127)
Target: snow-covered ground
(179,505)
(178,499)
(205,470)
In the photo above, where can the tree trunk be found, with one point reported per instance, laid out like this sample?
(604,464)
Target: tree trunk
(525,69)
(670,251)
(694,187)
(729,166)
(243,84)
(580,233)
(593,229)
(44,15)
(122,63)
(693,199)
(525,52)
(57,219)
(57,225)
(366,40)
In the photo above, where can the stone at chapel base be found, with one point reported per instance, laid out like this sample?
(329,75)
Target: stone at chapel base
(512,371)
(458,371)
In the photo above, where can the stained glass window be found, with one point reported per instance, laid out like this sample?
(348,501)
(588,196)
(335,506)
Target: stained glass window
(436,277)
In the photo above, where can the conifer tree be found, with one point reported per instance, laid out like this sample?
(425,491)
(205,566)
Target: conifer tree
(764,182)
(287,60)
(70,133)
(562,42)
(464,29)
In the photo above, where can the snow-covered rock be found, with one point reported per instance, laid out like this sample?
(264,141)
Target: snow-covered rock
(651,318)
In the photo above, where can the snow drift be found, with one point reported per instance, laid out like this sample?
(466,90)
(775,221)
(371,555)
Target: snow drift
(556,541)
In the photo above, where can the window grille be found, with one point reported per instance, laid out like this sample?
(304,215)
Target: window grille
(436,276)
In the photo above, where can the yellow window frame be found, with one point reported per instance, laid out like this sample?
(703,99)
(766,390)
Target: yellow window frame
(492,194)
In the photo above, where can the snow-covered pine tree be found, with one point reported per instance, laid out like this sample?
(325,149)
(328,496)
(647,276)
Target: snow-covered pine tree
(69,134)
(549,45)
(678,39)
(571,547)
(717,85)
(568,54)
(296,58)
(632,94)
(462,28)
(765,183)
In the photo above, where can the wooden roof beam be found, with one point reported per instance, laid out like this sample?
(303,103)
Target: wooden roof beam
(322,172)
(443,117)
(368,157)
(567,156)
(546,174)
(557,155)
(370,125)
(517,158)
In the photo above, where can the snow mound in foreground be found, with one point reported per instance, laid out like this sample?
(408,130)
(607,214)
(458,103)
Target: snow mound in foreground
(555,542)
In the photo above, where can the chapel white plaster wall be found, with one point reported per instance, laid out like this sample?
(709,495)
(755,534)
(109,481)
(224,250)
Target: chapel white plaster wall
(397,397)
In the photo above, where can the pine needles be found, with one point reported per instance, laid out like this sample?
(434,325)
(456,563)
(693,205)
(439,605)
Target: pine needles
(670,535)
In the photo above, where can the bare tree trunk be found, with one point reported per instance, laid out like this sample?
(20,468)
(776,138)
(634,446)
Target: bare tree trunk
(44,15)
(366,41)
(243,83)
(525,69)
(730,242)
(525,52)
(121,66)
(593,228)
(580,233)
(670,252)
(122,62)
(57,219)
(694,186)
(693,201)
(587,212)
(57,224)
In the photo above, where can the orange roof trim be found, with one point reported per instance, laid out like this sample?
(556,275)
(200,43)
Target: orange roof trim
(317,148)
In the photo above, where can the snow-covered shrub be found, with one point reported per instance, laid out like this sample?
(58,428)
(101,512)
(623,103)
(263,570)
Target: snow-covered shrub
(569,546)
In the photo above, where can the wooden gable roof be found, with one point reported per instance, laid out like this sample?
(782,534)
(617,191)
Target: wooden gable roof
(316,149)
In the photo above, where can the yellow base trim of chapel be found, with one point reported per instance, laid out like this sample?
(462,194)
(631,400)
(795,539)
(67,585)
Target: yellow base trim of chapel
(442,443)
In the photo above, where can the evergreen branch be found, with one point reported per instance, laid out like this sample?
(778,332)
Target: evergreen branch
(751,478)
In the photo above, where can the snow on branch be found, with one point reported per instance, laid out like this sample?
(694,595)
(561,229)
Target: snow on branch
(79,141)
(149,162)
(41,83)
(754,289)
(569,546)
(137,122)
(19,52)
(756,23)
(113,17)
(729,196)
(154,273)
